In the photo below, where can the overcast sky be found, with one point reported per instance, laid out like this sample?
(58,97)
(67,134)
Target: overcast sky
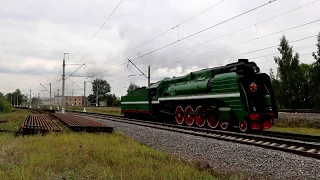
(34,35)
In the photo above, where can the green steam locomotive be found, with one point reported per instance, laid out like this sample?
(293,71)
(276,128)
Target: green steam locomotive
(236,94)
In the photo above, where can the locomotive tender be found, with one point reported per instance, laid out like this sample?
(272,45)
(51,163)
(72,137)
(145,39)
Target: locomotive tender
(233,95)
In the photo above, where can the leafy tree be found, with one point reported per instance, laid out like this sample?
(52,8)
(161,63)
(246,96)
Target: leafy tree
(110,99)
(116,103)
(306,97)
(132,87)
(12,97)
(276,88)
(5,105)
(103,88)
(1,95)
(290,77)
(315,75)
(34,101)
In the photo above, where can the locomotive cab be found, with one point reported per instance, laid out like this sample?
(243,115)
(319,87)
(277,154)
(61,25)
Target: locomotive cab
(257,93)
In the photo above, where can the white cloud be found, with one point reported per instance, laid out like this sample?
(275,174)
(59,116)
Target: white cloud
(35,34)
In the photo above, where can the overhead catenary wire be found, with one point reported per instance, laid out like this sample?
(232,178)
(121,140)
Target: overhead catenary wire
(180,61)
(165,32)
(273,46)
(239,30)
(91,37)
(196,33)
(75,71)
(77,85)
(248,52)
(97,30)
(252,51)
(254,40)
(310,53)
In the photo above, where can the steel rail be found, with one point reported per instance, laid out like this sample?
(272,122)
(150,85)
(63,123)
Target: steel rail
(284,135)
(310,111)
(300,148)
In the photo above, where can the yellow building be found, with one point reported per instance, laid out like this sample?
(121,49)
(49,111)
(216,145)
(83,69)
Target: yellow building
(73,100)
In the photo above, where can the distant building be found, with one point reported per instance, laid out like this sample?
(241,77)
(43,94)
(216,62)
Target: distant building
(69,100)
(46,101)
(57,100)
(102,103)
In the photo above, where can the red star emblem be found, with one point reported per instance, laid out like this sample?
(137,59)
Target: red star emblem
(253,87)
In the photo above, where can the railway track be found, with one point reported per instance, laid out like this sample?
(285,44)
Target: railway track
(303,145)
(38,123)
(313,111)
(77,123)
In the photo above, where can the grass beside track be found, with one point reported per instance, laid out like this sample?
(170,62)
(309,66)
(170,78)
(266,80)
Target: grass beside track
(102,110)
(71,155)
(89,156)
(298,126)
(12,121)
(307,131)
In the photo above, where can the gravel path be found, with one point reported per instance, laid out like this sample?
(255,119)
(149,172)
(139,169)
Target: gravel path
(223,156)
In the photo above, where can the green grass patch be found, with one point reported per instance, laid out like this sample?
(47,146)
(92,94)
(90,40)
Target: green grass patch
(308,131)
(102,110)
(90,156)
(13,120)
(298,123)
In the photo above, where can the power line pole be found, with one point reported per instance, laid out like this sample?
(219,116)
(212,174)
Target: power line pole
(49,91)
(97,97)
(58,100)
(50,98)
(84,94)
(30,99)
(149,76)
(17,99)
(38,100)
(11,99)
(149,91)
(63,83)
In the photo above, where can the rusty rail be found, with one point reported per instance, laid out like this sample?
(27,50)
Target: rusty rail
(77,123)
(38,123)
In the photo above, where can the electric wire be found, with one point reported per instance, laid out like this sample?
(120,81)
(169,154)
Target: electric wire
(239,30)
(75,71)
(97,30)
(163,33)
(196,33)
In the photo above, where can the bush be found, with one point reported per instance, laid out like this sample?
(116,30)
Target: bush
(116,103)
(5,105)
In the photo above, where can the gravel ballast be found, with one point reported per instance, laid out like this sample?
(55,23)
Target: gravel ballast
(223,156)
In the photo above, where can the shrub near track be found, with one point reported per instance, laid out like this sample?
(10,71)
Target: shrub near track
(90,156)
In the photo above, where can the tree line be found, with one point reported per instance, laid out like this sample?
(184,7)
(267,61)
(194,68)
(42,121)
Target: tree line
(11,98)
(102,88)
(296,85)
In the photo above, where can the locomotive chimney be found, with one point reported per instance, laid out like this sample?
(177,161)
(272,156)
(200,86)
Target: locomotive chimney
(243,60)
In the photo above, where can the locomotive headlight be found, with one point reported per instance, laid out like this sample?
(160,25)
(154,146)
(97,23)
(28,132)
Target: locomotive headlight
(254,109)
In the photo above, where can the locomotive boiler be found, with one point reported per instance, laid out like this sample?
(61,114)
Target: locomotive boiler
(236,94)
